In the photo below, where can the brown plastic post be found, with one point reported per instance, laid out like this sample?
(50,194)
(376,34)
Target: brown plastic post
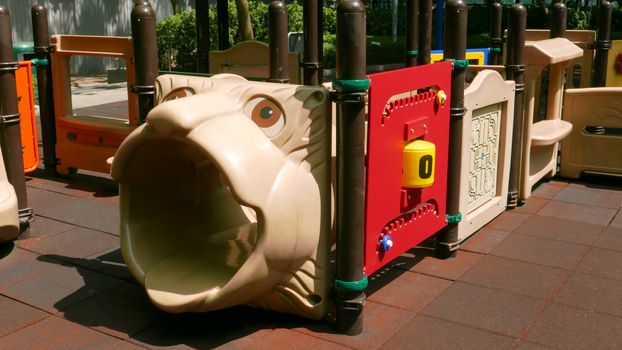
(222,12)
(602,44)
(515,70)
(145,56)
(9,121)
(412,22)
(496,32)
(203,39)
(310,58)
(454,47)
(351,85)
(559,14)
(320,40)
(277,33)
(41,36)
(424,53)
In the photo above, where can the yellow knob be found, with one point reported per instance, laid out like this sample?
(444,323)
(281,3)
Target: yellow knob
(441,97)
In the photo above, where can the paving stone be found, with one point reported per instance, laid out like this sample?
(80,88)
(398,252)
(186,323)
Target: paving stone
(508,221)
(532,280)
(284,339)
(425,332)
(16,315)
(563,230)
(602,262)
(578,212)
(566,327)
(548,190)
(56,333)
(59,288)
(20,265)
(610,238)
(591,196)
(488,309)
(409,291)
(592,293)
(540,251)
(531,205)
(484,241)
(76,243)
(41,228)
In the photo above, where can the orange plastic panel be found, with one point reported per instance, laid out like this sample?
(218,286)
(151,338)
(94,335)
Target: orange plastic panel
(28,121)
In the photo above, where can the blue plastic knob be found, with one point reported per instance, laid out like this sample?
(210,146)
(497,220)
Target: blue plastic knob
(386,243)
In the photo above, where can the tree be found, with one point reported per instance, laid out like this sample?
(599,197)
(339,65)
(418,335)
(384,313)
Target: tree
(245,27)
(175,5)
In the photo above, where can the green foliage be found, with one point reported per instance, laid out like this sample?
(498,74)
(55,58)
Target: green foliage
(177,42)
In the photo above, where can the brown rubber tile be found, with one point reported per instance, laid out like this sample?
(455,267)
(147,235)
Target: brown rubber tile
(540,251)
(610,238)
(603,263)
(513,276)
(562,230)
(617,220)
(531,205)
(15,315)
(548,190)
(121,311)
(87,213)
(508,221)
(488,309)
(287,339)
(109,262)
(20,265)
(525,345)
(409,291)
(484,241)
(578,212)
(42,227)
(425,332)
(59,288)
(45,202)
(591,196)
(77,185)
(593,293)
(450,269)
(566,327)
(76,243)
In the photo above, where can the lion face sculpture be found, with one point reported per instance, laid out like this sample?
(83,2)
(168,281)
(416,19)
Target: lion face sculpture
(225,196)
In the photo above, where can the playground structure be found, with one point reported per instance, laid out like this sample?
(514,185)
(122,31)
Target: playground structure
(209,134)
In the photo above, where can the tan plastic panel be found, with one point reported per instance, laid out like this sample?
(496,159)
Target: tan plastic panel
(486,148)
(251,59)
(9,217)
(583,151)
(225,196)
(550,51)
(83,141)
(614,76)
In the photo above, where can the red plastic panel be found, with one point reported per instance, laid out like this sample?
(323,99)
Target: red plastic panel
(407,215)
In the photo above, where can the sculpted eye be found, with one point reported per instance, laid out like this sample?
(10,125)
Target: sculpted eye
(178,93)
(266,114)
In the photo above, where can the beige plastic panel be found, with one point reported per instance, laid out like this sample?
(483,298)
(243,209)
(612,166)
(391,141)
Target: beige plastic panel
(582,151)
(9,217)
(614,76)
(486,147)
(251,59)
(551,51)
(225,196)
(86,141)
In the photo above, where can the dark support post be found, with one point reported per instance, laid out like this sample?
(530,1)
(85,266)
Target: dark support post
(277,33)
(41,36)
(9,121)
(145,56)
(412,20)
(222,11)
(602,44)
(203,40)
(496,32)
(454,47)
(351,86)
(310,58)
(425,32)
(515,70)
(559,14)
(320,41)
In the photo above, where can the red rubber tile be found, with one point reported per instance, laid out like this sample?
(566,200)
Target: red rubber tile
(513,276)
(450,269)
(578,212)
(20,265)
(566,327)
(45,202)
(592,293)
(492,310)
(41,228)
(548,190)
(525,345)
(617,220)
(88,213)
(540,251)
(610,238)
(76,243)
(508,221)
(531,205)
(425,332)
(602,262)
(484,241)
(563,230)
(286,339)
(16,315)
(409,291)
(591,196)
(78,185)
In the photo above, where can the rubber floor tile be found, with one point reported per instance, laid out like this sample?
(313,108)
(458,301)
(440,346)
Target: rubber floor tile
(76,243)
(45,203)
(79,185)
(55,333)
(531,205)
(89,213)
(562,230)
(592,293)
(15,315)
(287,339)
(602,262)
(525,345)
(507,221)
(617,220)
(548,190)
(42,227)
(566,327)
(540,251)
(484,241)
(450,269)
(492,310)
(19,265)
(410,291)
(109,262)
(610,238)
(513,276)
(424,332)
(578,212)
(591,196)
